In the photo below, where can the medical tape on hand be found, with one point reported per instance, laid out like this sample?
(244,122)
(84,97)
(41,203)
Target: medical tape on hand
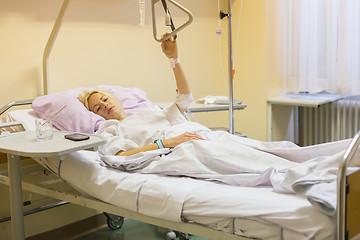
(184,100)
(174,61)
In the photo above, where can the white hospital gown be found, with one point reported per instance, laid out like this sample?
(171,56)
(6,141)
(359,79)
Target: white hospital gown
(143,128)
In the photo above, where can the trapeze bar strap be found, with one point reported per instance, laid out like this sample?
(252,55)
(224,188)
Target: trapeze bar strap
(169,21)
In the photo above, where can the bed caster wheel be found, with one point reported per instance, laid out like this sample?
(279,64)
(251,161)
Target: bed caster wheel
(184,236)
(170,235)
(114,222)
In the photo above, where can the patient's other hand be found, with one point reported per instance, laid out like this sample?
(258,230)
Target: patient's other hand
(173,142)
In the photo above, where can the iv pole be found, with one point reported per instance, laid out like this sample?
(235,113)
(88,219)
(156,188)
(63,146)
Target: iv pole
(231,74)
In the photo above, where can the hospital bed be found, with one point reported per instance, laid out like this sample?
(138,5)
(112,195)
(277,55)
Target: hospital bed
(208,209)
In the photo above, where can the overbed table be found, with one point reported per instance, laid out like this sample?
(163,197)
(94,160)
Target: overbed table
(25,144)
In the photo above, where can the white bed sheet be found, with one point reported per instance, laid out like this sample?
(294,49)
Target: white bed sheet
(252,212)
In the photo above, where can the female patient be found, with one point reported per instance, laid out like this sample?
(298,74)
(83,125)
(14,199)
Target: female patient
(185,148)
(154,128)
(108,107)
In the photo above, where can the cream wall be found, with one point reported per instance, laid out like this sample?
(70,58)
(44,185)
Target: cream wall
(250,63)
(101,42)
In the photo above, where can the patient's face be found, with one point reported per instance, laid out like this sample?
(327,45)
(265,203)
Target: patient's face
(106,106)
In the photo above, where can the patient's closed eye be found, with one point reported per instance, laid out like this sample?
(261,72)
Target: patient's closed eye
(98,107)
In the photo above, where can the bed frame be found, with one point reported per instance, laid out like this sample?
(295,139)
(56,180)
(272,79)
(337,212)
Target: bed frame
(348,198)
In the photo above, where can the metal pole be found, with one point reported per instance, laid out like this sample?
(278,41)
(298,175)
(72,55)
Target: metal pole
(50,44)
(231,101)
(16,204)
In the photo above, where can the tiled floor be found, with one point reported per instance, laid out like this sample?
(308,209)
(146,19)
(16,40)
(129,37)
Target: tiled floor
(131,230)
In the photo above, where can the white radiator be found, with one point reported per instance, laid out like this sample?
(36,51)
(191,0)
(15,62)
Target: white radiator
(329,122)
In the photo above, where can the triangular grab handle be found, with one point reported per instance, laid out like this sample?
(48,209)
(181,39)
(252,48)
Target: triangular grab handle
(174,32)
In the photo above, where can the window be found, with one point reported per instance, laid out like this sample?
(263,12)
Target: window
(320,44)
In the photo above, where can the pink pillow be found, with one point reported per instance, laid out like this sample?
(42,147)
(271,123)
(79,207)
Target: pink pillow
(75,117)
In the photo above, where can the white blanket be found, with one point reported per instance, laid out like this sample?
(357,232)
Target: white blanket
(248,163)
(136,192)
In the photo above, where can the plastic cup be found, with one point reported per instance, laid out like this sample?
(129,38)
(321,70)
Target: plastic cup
(44,130)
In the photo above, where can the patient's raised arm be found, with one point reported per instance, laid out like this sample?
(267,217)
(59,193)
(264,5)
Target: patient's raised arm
(170,49)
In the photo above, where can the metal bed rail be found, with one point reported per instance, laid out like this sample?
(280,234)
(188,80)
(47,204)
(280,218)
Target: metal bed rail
(342,187)
(14,104)
(28,170)
(39,209)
